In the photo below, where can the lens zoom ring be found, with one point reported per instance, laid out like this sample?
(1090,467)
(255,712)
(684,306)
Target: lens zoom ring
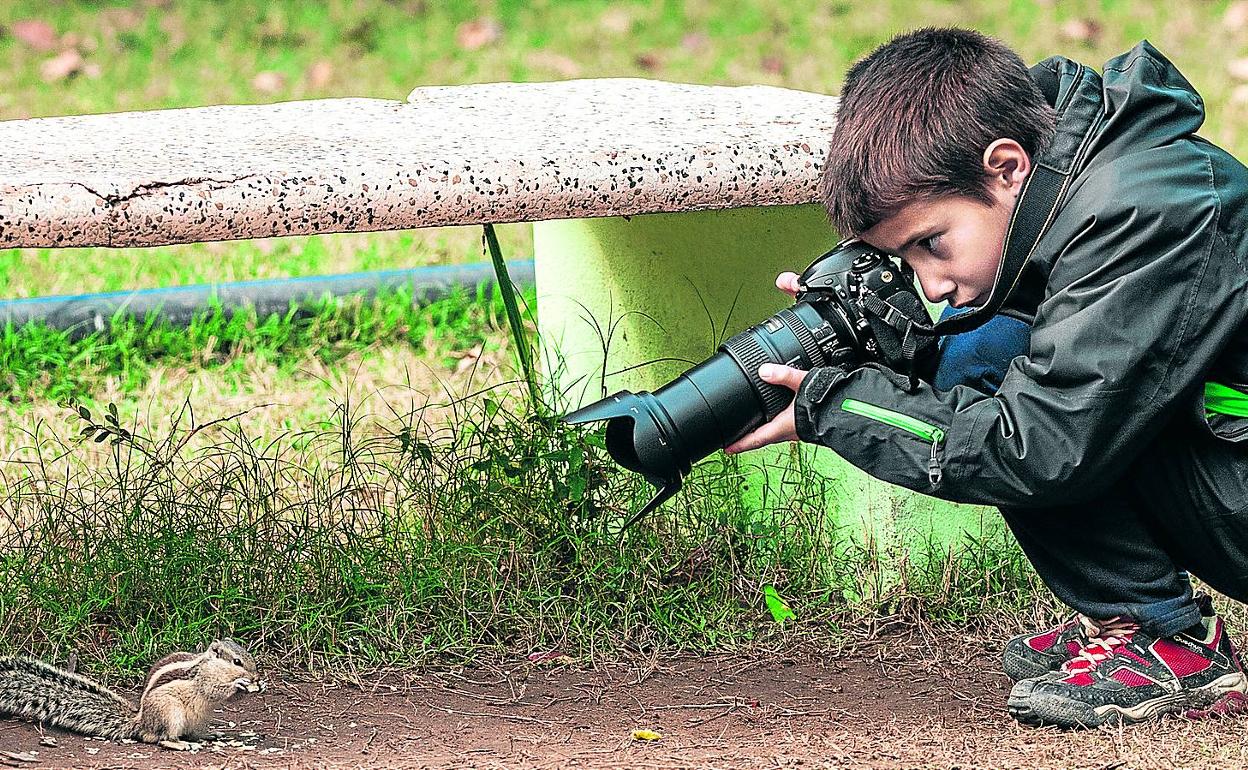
(749,355)
(814,354)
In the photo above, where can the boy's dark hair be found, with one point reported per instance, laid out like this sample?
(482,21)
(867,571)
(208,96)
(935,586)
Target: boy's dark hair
(915,117)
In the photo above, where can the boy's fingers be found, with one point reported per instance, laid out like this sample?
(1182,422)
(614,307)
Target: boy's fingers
(779,374)
(787,283)
(766,434)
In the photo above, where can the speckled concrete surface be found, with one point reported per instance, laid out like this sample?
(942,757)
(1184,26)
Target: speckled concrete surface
(500,152)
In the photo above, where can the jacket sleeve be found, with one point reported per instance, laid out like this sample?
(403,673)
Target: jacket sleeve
(1138,307)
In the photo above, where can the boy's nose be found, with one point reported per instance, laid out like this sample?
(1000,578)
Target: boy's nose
(938,290)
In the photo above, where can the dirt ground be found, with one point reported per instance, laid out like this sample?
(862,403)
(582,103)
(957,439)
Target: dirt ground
(900,703)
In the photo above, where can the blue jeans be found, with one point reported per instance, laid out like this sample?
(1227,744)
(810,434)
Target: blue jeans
(1126,554)
(979,358)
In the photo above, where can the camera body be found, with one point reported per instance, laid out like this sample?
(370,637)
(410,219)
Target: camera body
(855,304)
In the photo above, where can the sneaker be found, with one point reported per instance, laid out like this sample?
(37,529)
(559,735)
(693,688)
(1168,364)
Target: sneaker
(1036,654)
(1123,674)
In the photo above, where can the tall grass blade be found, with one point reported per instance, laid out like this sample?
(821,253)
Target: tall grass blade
(513,316)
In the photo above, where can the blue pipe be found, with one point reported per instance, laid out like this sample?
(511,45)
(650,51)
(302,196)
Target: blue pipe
(178,304)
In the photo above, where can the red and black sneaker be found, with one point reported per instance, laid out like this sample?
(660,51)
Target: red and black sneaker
(1123,674)
(1036,654)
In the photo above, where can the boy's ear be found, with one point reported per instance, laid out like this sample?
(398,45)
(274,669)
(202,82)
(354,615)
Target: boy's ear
(1006,166)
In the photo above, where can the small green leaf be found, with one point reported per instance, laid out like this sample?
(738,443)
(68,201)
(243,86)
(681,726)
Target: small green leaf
(780,611)
(84,413)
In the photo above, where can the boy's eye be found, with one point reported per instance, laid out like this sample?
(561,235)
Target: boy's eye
(931,243)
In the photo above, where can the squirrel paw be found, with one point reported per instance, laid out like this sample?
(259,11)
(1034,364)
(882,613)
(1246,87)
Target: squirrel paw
(181,745)
(243,684)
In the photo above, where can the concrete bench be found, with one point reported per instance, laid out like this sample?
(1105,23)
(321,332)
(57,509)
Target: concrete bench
(662,210)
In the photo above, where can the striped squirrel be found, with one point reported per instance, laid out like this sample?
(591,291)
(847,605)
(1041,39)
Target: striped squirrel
(180,693)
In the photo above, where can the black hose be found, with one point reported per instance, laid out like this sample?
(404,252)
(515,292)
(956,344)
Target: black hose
(177,305)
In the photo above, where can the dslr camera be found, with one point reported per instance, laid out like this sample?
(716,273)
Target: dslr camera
(855,304)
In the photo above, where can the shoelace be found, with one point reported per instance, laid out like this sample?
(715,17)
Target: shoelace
(1104,637)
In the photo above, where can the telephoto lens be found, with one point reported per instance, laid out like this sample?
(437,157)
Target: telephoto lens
(662,434)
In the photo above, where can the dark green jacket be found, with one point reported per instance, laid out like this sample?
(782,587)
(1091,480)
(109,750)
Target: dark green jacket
(1135,275)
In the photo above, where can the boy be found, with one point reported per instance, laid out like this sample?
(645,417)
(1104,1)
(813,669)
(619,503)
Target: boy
(1084,204)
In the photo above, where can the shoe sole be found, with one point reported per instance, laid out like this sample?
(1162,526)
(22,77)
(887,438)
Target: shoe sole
(1038,709)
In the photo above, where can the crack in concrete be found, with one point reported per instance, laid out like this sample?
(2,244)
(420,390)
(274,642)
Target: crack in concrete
(112,199)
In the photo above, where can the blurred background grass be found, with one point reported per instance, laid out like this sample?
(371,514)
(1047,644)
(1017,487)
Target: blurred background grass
(59,58)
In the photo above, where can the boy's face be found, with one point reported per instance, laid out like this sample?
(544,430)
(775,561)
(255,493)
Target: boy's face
(954,243)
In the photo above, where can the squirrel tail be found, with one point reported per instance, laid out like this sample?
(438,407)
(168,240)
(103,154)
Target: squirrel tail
(33,689)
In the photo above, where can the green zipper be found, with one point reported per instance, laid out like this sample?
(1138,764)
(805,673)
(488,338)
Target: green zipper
(912,425)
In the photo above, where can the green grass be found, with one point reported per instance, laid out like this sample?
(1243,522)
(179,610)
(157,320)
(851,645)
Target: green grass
(377,501)
(37,362)
(400,541)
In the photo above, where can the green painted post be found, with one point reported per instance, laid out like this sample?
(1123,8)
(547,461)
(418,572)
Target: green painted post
(667,289)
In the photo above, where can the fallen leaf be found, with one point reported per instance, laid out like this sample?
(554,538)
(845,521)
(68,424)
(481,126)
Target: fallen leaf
(780,611)
(20,756)
(47,740)
(1236,16)
(647,61)
(1238,69)
(268,82)
(61,66)
(774,65)
(1082,31)
(320,73)
(551,658)
(478,33)
(35,33)
(646,735)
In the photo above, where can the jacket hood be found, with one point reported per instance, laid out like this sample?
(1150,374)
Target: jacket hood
(1145,101)
(1139,101)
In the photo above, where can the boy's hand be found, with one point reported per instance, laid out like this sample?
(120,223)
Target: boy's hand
(782,427)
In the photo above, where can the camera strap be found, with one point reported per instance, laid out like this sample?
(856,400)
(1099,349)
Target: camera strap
(903,339)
